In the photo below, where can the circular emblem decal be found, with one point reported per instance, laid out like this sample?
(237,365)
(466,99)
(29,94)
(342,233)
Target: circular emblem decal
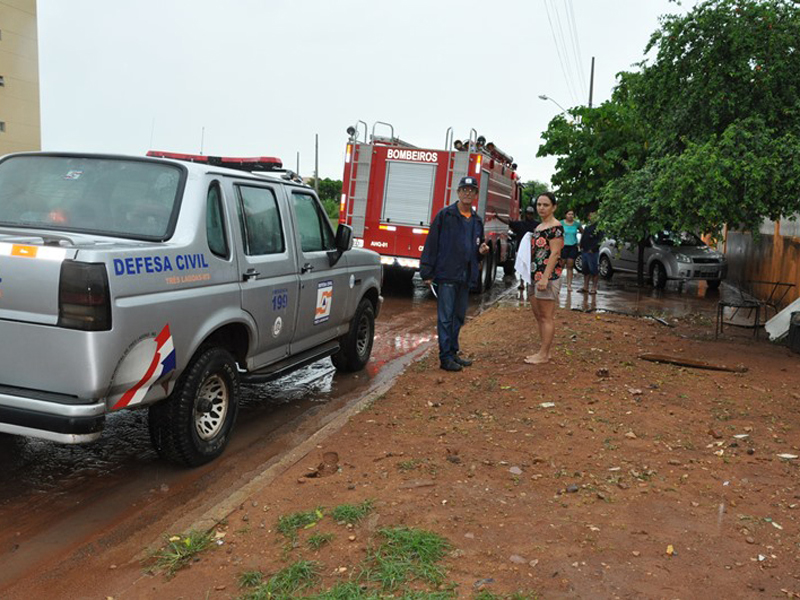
(352,281)
(277,326)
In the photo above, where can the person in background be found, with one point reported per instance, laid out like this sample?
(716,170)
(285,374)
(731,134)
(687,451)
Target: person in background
(449,264)
(520,228)
(571,228)
(590,252)
(547,241)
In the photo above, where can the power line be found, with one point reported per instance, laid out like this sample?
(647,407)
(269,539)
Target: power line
(567,53)
(576,44)
(564,70)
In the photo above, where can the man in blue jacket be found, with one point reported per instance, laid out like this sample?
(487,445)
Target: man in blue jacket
(450,263)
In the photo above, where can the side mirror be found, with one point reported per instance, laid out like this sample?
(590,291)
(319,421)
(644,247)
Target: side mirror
(344,237)
(344,242)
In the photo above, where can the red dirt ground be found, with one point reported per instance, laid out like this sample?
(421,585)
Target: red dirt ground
(631,486)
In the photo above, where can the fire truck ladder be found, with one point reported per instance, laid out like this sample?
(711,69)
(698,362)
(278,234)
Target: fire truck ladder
(359,186)
(457,164)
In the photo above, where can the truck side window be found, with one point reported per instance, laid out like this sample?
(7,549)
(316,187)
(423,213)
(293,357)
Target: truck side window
(261,221)
(215,224)
(312,223)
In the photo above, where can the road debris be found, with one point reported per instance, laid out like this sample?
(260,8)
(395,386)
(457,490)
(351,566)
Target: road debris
(687,362)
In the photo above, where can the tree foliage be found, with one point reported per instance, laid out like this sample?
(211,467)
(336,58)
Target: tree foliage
(330,189)
(531,190)
(706,134)
(597,146)
(330,193)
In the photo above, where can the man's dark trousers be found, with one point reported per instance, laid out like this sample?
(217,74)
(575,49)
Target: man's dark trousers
(451,313)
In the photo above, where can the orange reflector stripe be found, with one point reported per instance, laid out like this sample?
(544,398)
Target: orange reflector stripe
(20,250)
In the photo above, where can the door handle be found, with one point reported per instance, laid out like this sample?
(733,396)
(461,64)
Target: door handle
(250,274)
(306,268)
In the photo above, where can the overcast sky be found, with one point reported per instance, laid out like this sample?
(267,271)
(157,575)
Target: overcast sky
(261,77)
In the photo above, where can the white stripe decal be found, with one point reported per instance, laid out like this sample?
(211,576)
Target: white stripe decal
(40,252)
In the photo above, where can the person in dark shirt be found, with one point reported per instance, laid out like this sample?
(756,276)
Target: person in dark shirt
(528,224)
(590,252)
(450,262)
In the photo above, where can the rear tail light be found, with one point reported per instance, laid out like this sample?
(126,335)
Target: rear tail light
(83,297)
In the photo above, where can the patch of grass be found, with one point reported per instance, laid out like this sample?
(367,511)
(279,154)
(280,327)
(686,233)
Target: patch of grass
(486,595)
(352,513)
(608,444)
(250,578)
(286,583)
(372,402)
(406,554)
(180,550)
(345,591)
(420,365)
(317,541)
(289,524)
(408,465)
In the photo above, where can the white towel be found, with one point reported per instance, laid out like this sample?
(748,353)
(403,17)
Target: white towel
(523,263)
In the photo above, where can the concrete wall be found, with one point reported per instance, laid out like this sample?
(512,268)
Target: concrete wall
(19,68)
(774,256)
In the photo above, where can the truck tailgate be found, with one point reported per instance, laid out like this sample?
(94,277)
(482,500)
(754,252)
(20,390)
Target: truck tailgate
(29,279)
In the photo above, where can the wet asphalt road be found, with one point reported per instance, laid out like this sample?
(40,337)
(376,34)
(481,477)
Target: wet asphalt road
(70,503)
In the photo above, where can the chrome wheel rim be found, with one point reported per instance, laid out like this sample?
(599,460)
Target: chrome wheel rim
(604,266)
(211,407)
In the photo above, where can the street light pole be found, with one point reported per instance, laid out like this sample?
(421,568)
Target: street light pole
(543,97)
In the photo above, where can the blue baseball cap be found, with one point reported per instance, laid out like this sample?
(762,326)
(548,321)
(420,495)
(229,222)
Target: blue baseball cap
(468,182)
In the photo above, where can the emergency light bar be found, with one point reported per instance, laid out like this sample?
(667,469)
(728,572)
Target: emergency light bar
(256,163)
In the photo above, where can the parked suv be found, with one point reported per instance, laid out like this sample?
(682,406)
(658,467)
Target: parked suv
(667,255)
(133,282)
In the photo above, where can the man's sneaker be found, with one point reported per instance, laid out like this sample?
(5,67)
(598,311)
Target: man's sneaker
(464,362)
(450,365)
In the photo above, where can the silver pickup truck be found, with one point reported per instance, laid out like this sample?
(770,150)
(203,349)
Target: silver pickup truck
(132,282)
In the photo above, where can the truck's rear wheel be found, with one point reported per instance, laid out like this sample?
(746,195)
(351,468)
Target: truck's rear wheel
(356,346)
(193,426)
(508,268)
(488,271)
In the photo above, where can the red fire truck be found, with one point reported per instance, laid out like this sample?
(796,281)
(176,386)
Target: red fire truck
(392,190)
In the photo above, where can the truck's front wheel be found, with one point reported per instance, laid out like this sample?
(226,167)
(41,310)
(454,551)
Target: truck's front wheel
(193,425)
(356,346)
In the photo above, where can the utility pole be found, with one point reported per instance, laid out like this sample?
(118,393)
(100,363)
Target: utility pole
(591,83)
(298,163)
(202,139)
(316,163)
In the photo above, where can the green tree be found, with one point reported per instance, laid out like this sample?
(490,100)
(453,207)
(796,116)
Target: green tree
(722,105)
(330,193)
(713,122)
(530,191)
(595,147)
(330,189)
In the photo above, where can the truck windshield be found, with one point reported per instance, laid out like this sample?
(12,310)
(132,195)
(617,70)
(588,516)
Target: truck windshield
(107,196)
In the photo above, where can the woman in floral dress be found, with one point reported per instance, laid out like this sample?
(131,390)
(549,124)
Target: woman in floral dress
(546,244)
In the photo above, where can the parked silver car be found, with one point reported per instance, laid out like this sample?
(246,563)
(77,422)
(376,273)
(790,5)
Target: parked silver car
(668,255)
